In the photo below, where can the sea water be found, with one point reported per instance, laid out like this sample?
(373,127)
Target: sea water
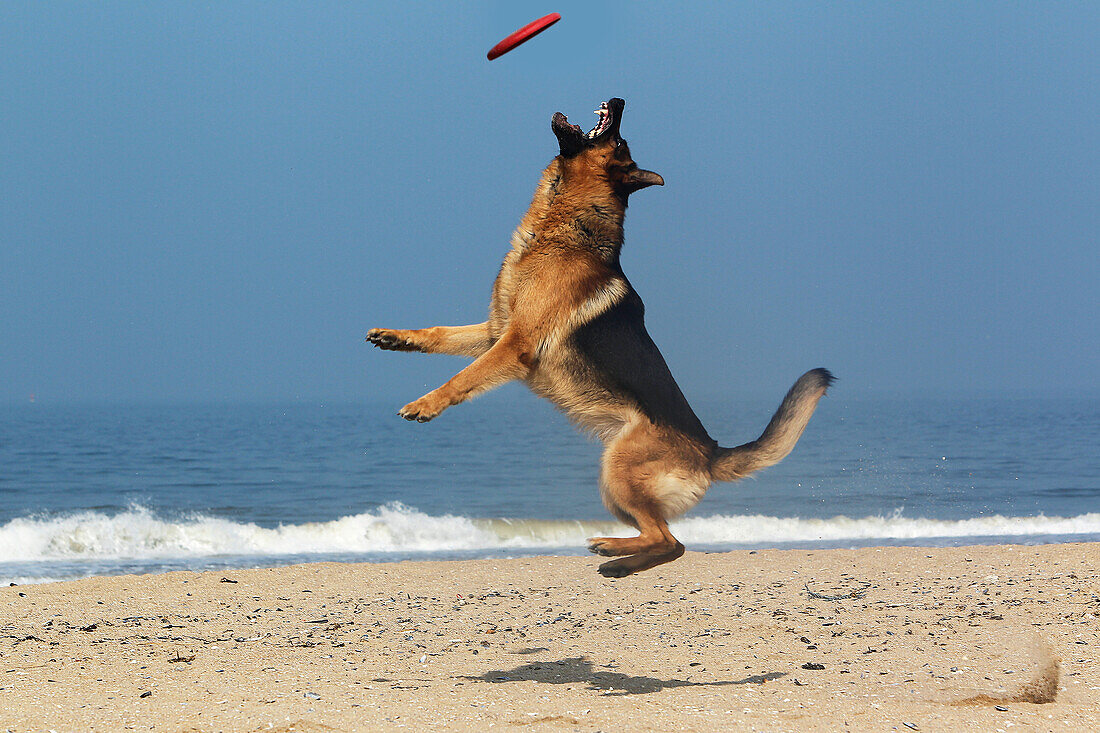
(107,489)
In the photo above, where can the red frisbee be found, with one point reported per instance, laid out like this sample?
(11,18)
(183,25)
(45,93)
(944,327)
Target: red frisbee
(525,33)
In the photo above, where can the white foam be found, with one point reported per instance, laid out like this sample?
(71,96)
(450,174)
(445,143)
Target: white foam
(762,529)
(138,534)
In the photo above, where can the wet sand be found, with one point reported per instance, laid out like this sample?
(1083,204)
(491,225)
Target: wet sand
(973,638)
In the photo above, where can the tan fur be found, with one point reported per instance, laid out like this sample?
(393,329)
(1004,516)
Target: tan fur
(562,273)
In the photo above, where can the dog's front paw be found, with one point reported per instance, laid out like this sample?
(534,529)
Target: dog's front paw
(423,409)
(391,340)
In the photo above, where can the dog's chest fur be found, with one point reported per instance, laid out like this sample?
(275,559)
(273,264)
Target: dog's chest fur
(591,354)
(564,255)
(572,232)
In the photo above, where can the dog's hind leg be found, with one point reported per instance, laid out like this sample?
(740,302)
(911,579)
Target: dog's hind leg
(640,553)
(654,546)
(654,537)
(471,341)
(633,467)
(637,563)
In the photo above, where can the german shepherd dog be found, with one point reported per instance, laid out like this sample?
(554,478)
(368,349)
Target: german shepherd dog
(565,320)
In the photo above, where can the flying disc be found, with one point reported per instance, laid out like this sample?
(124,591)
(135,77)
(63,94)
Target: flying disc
(525,33)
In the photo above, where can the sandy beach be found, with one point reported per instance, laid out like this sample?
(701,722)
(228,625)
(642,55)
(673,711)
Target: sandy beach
(973,638)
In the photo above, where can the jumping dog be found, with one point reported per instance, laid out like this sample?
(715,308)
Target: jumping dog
(564,319)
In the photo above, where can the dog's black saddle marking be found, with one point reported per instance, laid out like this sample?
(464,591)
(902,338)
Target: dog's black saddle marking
(624,358)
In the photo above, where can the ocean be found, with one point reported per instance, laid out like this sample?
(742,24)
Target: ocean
(109,489)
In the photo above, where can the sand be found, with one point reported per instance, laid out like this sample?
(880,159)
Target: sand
(973,638)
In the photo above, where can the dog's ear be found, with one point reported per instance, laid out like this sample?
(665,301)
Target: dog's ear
(638,179)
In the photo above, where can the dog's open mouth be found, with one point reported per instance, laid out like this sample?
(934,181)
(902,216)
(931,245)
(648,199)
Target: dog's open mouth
(573,139)
(603,123)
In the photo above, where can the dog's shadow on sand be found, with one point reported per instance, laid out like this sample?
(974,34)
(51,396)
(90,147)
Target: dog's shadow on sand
(580,670)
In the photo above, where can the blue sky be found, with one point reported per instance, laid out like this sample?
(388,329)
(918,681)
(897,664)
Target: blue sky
(215,201)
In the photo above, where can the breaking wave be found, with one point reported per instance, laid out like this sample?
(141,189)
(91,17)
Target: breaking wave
(397,530)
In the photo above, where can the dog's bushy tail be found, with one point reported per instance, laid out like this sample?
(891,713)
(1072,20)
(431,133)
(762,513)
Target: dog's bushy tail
(782,433)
